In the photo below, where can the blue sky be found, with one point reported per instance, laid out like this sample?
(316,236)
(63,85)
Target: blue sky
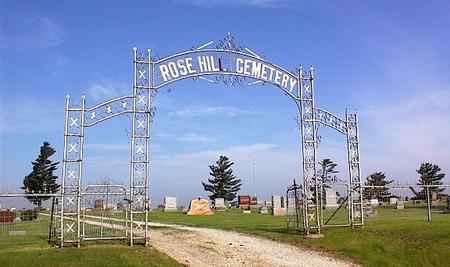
(388,60)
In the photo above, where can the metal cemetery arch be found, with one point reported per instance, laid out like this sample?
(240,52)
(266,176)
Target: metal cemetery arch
(226,63)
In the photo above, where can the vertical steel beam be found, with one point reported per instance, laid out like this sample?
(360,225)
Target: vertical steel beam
(83,107)
(147,144)
(132,144)
(361,192)
(66,117)
(304,172)
(314,139)
(349,162)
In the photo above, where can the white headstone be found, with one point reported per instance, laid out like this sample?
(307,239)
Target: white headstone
(264,210)
(373,202)
(276,201)
(331,199)
(170,203)
(219,203)
(278,208)
(393,200)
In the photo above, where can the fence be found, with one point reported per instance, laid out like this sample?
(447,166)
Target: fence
(104,214)
(22,224)
(333,204)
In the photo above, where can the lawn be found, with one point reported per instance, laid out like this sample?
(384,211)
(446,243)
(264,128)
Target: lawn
(392,238)
(32,250)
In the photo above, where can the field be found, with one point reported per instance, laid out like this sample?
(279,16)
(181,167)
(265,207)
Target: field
(392,238)
(32,250)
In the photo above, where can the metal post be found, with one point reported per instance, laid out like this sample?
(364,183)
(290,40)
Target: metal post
(84,220)
(428,203)
(133,123)
(321,200)
(83,107)
(350,185)
(361,192)
(316,182)
(66,117)
(147,140)
(305,178)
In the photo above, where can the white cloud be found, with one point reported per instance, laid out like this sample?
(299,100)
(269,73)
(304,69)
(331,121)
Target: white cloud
(197,111)
(180,174)
(105,90)
(404,134)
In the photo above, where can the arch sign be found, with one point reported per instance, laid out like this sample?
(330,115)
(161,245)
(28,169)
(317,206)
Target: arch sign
(191,64)
(221,62)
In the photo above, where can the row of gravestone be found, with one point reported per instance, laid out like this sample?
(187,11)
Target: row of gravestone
(247,202)
(170,203)
(277,205)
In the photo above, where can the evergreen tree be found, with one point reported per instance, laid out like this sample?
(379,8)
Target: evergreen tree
(430,174)
(41,179)
(327,170)
(380,193)
(222,184)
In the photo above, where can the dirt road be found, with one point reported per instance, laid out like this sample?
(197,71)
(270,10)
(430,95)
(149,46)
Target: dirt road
(211,247)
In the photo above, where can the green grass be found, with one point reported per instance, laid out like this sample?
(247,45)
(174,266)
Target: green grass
(393,238)
(32,250)
(95,255)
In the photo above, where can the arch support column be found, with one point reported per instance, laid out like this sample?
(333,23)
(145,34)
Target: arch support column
(139,147)
(355,192)
(72,171)
(311,199)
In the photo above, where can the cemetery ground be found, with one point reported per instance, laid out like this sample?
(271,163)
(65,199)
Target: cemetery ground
(32,249)
(392,238)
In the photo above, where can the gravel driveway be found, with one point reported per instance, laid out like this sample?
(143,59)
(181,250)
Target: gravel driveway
(211,247)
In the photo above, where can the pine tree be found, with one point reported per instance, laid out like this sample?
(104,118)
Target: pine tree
(41,179)
(380,193)
(326,174)
(222,184)
(430,174)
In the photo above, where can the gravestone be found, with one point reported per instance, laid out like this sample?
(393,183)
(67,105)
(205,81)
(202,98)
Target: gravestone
(374,202)
(400,204)
(199,206)
(330,199)
(370,211)
(278,208)
(219,203)
(7,216)
(170,204)
(244,202)
(264,210)
(393,200)
(99,204)
(448,205)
